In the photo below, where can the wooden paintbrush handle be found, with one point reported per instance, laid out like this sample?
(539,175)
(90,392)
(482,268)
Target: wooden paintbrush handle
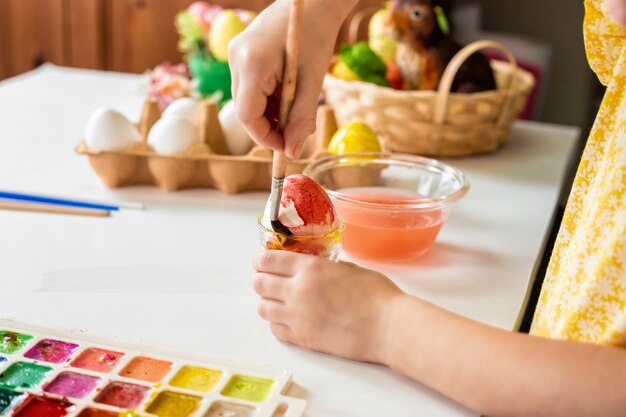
(279,165)
(49,208)
(290,75)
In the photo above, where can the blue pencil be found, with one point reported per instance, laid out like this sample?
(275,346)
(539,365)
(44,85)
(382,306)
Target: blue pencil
(55,201)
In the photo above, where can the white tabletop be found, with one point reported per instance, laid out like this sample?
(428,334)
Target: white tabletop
(178,273)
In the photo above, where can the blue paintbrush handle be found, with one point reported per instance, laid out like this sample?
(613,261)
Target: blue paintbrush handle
(55,201)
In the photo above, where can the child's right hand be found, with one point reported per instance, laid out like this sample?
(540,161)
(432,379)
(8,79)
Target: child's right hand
(331,307)
(256,59)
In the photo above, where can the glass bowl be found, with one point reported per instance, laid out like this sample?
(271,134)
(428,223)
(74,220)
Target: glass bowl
(327,245)
(394,205)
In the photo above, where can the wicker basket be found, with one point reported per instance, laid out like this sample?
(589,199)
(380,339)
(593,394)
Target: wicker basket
(438,123)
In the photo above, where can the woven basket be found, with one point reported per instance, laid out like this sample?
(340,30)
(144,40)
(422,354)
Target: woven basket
(438,123)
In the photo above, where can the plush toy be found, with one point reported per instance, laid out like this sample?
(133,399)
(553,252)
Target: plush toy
(425,48)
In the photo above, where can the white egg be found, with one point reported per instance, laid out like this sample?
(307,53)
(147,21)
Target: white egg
(172,135)
(237,139)
(109,130)
(186,107)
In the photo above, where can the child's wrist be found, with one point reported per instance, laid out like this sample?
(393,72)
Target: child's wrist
(393,319)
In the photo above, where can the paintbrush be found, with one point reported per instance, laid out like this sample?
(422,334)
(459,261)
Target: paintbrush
(53,209)
(41,199)
(288,94)
(69,201)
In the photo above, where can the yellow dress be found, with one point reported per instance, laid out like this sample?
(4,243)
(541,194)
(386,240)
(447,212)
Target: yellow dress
(584,294)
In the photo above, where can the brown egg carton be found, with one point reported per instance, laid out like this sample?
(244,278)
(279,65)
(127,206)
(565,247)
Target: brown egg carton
(206,164)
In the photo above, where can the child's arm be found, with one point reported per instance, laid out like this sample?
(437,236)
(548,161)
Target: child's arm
(348,311)
(617,9)
(256,59)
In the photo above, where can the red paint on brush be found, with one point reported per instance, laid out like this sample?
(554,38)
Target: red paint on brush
(310,200)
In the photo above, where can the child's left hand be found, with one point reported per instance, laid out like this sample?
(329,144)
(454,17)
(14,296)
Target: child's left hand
(337,308)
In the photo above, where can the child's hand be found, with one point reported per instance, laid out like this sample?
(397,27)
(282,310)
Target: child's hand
(331,307)
(617,9)
(256,59)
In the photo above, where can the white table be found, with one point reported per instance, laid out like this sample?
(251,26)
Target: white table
(178,273)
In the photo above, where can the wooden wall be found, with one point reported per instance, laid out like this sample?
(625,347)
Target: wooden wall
(118,35)
(141,34)
(65,32)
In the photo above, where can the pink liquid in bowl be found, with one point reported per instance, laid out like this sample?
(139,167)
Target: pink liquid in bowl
(387,234)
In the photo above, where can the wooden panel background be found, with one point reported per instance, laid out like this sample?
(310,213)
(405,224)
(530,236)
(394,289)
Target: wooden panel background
(50,29)
(118,35)
(85,22)
(5,43)
(63,32)
(141,33)
(19,22)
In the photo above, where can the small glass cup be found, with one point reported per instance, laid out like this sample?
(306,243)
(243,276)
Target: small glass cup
(327,246)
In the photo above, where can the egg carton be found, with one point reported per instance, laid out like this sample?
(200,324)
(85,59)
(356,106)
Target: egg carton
(206,164)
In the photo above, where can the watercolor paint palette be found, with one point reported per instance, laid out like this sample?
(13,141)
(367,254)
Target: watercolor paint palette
(51,373)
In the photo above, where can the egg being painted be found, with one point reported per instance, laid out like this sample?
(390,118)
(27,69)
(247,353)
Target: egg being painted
(186,107)
(172,135)
(237,139)
(109,130)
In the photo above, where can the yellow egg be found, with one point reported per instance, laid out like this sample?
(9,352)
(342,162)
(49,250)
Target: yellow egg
(380,39)
(355,137)
(341,70)
(224,28)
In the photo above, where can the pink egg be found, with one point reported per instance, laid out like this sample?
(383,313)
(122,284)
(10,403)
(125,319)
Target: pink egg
(197,10)
(210,14)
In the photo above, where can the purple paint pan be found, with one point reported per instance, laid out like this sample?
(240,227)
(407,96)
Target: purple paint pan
(50,350)
(72,385)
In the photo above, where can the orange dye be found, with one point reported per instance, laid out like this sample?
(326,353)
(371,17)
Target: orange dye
(387,235)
